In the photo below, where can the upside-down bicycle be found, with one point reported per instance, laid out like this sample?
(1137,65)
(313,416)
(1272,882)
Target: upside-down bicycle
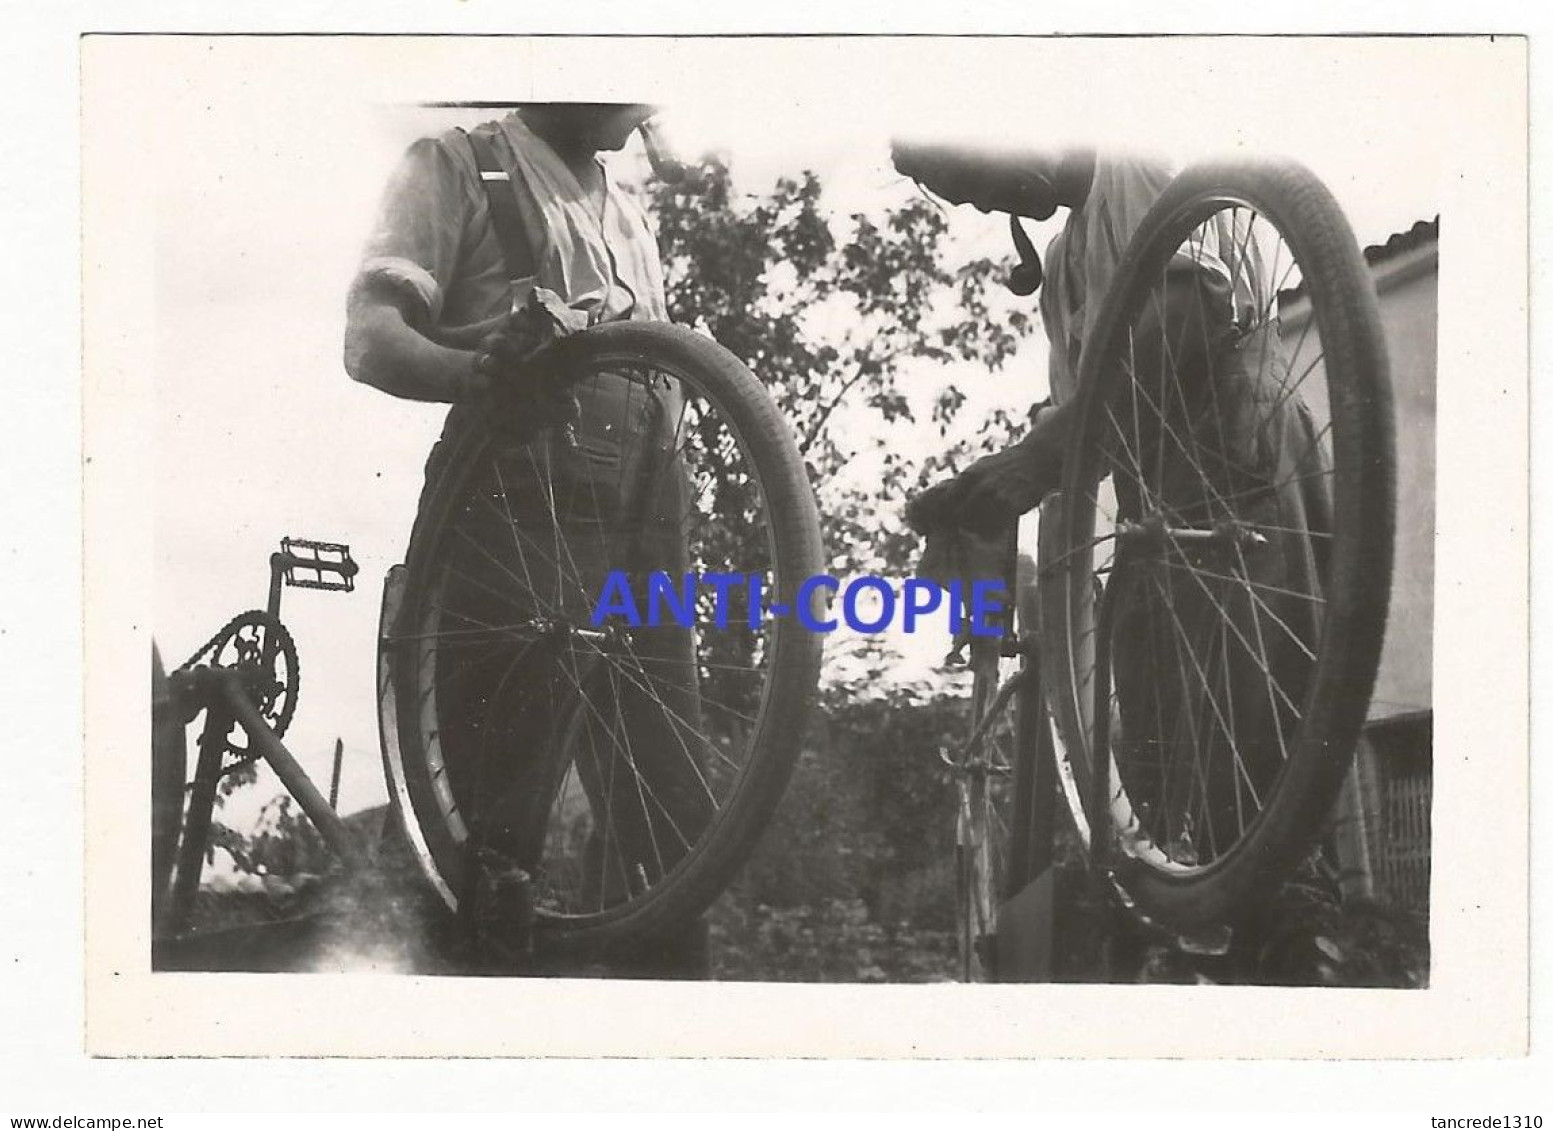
(245,681)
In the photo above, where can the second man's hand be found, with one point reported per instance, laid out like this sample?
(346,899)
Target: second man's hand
(995,490)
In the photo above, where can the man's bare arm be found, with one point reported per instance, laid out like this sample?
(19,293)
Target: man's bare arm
(383,350)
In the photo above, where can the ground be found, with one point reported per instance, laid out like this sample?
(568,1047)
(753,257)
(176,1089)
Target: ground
(385,921)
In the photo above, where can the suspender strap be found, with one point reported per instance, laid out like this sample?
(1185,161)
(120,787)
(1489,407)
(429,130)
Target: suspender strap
(507,213)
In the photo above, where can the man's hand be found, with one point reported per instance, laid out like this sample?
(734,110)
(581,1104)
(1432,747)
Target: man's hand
(997,489)
(510,378)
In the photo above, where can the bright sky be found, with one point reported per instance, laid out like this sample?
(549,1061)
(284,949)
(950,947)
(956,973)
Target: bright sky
(265,194)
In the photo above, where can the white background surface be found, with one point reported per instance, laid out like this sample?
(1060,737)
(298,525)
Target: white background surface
(1171,94)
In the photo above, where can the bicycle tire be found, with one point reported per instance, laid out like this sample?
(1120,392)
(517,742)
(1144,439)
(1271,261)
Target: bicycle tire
(728,394)
(1186,886)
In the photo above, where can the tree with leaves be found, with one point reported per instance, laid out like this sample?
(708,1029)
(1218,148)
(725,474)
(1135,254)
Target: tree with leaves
(830,314)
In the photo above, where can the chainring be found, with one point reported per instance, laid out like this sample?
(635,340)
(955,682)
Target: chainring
(259,642)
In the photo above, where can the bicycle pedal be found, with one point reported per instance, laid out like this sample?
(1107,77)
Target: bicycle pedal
(308,564)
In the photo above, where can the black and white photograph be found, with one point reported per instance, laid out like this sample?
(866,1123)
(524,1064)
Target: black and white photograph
(610,529)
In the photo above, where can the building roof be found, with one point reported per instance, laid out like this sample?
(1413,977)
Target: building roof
(1421,233)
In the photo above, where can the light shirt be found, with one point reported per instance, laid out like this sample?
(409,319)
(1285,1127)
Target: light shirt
(1082,259)
(435,244)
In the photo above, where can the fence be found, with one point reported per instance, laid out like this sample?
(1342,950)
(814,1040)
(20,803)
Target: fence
(1383,826)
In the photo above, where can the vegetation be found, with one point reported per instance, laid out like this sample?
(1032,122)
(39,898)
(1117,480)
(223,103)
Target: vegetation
(831,317)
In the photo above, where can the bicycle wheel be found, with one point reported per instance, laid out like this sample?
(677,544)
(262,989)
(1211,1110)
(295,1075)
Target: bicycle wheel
(1217,590)
(627,768)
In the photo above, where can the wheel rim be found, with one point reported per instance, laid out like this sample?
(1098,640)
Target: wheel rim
(600,817)
(1192,550)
